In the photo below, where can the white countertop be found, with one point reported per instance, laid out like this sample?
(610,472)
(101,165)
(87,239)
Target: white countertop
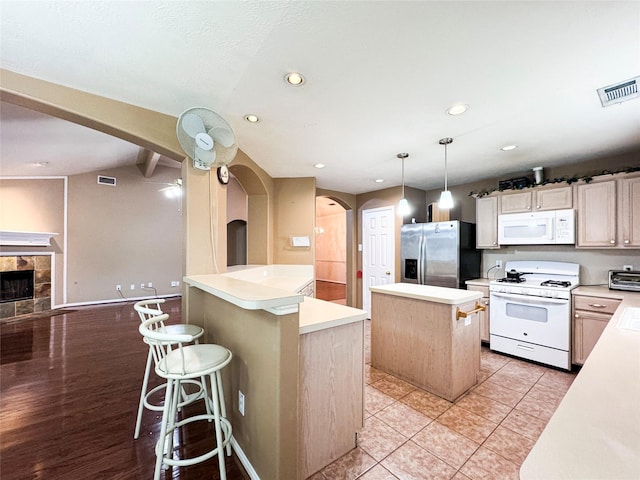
(318,315)
(479,281)
(450,296)
(273,294)
(248,295)
(595,431)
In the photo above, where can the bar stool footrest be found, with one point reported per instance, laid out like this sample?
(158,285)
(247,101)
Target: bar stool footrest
(226,434)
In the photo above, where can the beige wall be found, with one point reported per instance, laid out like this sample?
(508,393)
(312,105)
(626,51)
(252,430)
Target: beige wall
(236,201)
(125,234)
(36,205)
(295,212)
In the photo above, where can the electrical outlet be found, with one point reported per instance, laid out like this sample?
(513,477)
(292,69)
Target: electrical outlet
(118,287)
(627,268)
(150,285)
(133,287)
(241,402)
(175,283)
(498,263)
(142,285)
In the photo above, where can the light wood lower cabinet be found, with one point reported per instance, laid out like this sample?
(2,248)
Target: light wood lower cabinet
(331,401)
(590,317)
(483,316)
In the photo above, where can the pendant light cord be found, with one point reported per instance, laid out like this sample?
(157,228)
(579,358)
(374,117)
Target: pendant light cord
(445,167)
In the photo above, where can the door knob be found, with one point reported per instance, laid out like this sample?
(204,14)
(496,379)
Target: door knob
(388,273)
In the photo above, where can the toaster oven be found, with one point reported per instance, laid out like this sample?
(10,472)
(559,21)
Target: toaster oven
(624,280)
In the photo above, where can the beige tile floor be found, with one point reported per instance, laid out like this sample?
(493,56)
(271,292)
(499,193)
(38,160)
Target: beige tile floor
(412,434)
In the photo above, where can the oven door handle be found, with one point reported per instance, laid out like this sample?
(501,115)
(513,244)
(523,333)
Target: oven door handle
(530,298)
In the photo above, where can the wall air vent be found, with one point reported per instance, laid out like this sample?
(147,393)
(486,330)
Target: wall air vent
(102,180)
(619,92)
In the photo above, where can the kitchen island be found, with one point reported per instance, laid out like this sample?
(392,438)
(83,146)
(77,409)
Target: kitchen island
(595,431)
(428,336)
(298,361)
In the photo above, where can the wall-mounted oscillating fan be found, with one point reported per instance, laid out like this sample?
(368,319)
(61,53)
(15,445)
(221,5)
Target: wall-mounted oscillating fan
(206,137)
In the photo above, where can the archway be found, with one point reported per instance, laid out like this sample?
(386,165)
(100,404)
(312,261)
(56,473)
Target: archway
(257,215)
(335,226)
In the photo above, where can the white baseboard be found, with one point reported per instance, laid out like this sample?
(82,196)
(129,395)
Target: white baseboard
(114,300)
(244,460)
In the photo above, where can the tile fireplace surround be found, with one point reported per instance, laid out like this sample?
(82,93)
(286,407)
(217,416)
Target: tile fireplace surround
(41,264)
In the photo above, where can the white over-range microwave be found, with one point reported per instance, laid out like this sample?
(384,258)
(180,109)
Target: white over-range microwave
(537,228)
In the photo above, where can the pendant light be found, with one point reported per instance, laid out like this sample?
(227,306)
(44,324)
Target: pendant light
(403,207)
(446,200)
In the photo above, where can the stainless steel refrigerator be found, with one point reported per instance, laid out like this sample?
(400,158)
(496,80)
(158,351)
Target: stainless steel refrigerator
(442,254)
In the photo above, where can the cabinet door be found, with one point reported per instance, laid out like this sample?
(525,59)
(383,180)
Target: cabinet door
(484,321)
(553,198)
(515,202)
(587,328)
(487,222)
(596,204)
(630,212)
(483,316)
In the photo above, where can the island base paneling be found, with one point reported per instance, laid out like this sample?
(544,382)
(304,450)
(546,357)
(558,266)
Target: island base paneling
(423,343)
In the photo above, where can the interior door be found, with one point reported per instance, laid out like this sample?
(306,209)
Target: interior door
(378,251)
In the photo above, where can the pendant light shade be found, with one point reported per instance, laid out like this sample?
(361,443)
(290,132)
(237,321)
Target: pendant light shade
(446,199)
(404,208)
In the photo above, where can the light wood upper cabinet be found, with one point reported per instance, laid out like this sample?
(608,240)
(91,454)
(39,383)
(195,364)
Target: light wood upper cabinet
(558,198)
(596,205)
(537,200)
(487,222)
(516,202)
(630,211)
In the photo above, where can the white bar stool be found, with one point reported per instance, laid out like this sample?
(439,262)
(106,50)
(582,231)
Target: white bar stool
(148,309)
(182,363)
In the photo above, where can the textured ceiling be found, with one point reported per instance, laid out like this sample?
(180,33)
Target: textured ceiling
(380,75)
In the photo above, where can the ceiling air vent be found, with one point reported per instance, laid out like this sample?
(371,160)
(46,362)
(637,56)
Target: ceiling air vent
(102,180)
(619,92)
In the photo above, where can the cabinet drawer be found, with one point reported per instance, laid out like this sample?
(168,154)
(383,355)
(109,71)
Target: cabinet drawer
(595,304)
(479,288)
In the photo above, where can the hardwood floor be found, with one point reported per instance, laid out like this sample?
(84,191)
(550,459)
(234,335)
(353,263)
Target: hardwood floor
(330,291)
(69,390)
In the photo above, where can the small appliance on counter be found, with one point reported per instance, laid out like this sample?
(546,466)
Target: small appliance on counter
(628,280)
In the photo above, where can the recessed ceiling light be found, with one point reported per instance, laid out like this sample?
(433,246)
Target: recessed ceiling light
(379,180)
(457,109)
(251,118)
(294,78)
(319,165)
(42,164)
(506,148)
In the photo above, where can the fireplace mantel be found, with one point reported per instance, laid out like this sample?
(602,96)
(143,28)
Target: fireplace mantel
(25,239)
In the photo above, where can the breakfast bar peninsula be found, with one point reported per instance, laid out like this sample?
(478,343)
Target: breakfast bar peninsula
(298,363)
(428,336)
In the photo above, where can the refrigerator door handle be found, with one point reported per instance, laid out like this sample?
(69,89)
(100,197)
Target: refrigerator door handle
(422,258)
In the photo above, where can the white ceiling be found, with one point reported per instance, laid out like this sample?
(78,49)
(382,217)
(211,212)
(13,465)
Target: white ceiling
(380,75)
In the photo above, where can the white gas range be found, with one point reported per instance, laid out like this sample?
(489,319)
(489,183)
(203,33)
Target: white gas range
(531,311)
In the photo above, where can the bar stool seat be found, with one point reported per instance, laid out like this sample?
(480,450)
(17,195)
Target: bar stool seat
(147,309)
(184,362)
